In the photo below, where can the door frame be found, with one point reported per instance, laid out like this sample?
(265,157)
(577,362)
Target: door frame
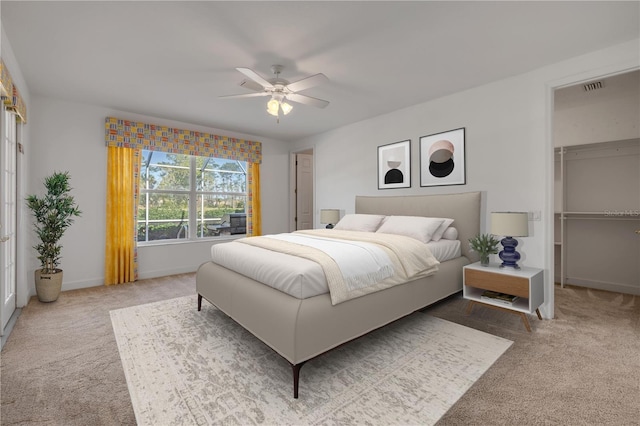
(548,308)
(8,319)
(293,186)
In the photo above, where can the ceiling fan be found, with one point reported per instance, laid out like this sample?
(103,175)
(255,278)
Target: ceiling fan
(280,90)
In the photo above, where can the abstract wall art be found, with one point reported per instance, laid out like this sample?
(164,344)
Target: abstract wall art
(394,165)
(442,159)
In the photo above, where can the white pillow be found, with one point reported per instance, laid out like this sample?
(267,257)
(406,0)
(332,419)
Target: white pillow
(450,234)
(360,222)
(445,224)
(418,227)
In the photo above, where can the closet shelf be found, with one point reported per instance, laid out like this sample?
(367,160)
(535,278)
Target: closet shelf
(606,215)
(596,209)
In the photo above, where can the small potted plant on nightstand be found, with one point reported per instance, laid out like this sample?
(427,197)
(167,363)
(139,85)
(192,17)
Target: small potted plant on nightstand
(53,213)
(484,245)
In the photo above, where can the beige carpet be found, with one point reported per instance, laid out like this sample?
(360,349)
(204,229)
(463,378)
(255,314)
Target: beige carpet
(61,365)
(186,367)
(582,368)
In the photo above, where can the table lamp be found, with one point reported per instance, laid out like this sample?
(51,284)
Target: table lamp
(509,225)
(330,217)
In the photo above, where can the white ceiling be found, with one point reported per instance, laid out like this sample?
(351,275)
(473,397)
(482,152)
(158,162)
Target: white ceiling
(173,59)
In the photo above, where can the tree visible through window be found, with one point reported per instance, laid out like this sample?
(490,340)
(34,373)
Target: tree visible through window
(188,197)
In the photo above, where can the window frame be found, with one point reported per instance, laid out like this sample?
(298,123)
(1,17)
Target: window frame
(194,196)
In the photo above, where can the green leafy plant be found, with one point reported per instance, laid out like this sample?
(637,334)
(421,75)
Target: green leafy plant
(484,245)
(53,213)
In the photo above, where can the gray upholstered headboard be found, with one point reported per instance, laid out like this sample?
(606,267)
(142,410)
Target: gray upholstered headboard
(464,208)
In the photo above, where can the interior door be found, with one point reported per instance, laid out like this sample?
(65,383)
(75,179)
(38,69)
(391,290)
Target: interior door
(8,211)
(304,191)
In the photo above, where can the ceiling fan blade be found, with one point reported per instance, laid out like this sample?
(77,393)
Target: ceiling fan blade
(308,82)
(307,100)
(251,85)
(244,95)
(255,77)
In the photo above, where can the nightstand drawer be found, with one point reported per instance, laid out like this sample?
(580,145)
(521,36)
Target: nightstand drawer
(516,286)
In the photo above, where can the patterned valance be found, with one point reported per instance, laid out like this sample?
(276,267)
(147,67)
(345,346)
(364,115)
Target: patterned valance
(130,134)
(10,95)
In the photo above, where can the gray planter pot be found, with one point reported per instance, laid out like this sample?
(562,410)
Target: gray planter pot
(48,286)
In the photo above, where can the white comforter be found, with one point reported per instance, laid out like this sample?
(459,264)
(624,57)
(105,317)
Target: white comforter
(410,258)
(360,264)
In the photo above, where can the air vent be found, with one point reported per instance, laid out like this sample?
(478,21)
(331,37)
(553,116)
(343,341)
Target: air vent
(595,85)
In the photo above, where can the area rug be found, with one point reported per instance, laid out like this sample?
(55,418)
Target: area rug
(185,367)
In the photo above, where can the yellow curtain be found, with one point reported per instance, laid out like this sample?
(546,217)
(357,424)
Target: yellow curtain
(121,265)
(254,219)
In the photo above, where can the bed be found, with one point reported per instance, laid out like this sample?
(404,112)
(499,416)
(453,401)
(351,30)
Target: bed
(302,329)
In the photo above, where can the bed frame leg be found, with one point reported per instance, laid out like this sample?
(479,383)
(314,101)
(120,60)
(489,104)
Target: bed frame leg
(199,302)
(296,377)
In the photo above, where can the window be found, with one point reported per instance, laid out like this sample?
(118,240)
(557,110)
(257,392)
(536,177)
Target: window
(188,197)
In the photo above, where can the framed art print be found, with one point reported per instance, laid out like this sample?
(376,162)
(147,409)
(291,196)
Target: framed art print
(394,165)
(442,159)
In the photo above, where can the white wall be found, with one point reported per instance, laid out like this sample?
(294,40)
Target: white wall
(504,154)
(509,151)
(603,115)
(70,136)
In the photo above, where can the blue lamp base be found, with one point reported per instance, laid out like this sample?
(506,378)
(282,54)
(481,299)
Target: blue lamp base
(509,255)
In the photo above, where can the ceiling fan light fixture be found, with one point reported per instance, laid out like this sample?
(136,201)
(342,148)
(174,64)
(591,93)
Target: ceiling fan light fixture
(280,90)
(286,108)
(272,107)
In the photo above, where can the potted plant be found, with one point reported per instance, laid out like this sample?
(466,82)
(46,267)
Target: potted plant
(53,213)
(484,245)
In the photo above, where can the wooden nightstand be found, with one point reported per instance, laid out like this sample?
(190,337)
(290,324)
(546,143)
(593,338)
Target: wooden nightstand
(526,283)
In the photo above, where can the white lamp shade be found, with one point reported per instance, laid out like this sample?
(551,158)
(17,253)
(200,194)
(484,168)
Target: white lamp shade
(286,108)
(329,216)
(272,107)
(510,224)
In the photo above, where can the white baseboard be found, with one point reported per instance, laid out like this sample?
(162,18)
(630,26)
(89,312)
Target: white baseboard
(166,272)
(614,287)
(76,285)
(9,327)
(96,282)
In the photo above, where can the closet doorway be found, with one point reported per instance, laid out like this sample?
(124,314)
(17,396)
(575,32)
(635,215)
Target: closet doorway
(301,177)
(597,184)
